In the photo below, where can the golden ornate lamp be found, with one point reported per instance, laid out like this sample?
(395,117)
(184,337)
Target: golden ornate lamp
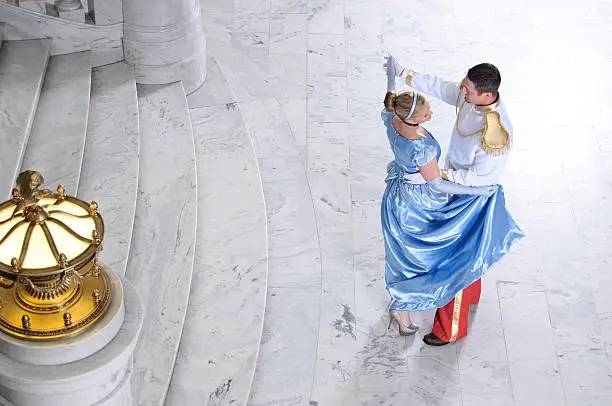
(51,283)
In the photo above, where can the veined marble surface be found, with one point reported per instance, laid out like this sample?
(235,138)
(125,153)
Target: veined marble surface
(22,69)
(321,60)
(223,326)
(68,36)
(163,243)
(57,138)
(111,158)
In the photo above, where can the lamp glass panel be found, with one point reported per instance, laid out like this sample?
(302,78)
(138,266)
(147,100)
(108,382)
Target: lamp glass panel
(6,212)
(11,248)
(69,207)
(82,226)
(66,243)
(39,253)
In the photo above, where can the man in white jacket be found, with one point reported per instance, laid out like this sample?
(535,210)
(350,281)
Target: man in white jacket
(482,133)
(479,147)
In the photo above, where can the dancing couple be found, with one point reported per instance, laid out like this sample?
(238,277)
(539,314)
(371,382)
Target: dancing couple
(444,228)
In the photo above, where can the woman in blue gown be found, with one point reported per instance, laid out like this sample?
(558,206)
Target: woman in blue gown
(440,237)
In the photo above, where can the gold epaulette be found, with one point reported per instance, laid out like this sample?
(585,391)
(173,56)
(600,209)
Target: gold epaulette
(495,138)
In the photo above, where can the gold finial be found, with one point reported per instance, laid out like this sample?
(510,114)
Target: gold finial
(93,208)
(95,235)
(62,260)
(25,321)
(28,183)
(61,192)
(16,195)
(67,319)
(15,265)
(96,296)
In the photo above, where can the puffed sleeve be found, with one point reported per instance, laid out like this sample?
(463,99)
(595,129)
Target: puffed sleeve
(423,153)
(387,116)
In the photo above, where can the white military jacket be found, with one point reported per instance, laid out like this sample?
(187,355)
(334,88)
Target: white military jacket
(482,135)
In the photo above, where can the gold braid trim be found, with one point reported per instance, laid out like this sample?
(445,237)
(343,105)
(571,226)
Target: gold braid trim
(457,123)
(456,316)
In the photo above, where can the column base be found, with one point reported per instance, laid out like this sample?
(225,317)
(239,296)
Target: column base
(101,377)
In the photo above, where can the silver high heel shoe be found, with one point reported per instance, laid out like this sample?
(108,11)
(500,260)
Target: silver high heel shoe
(403,330)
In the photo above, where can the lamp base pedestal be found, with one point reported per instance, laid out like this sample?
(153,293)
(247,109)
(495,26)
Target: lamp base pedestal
(32,373)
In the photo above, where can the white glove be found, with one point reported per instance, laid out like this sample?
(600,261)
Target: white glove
(486,191)
(391,61)
(390,69)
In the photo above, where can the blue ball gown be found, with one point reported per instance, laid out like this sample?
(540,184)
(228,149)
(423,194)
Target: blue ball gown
(436,244)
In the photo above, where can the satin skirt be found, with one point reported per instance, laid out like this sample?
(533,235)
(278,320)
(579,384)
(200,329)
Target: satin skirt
(437,244)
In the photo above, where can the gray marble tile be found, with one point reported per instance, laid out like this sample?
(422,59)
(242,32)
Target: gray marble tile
(295,113)
(366,78)
(165,224)
(269,129)
(288,34)
(218,26)
(327,99)
(384,399)
(295,258)
(110,161)
(286,74)
(57,137)
(281,168)
(328,148)
(23,65)
(253,44)
(288,349)
(216,6)
(214,91)
(230,271)
(251,15)
(486,382)
(326,55)
(245,78)
(534,368)
(109,12)
(288,6)
(325,16)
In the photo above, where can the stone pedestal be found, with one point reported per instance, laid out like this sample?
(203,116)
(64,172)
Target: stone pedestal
(164,41)
(92,368)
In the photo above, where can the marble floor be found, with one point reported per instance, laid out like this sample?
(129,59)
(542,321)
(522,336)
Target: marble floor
(542,334)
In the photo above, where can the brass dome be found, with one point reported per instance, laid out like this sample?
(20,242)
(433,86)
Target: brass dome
(49,246)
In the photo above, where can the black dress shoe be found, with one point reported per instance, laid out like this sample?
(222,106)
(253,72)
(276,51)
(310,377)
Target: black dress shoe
(432,339)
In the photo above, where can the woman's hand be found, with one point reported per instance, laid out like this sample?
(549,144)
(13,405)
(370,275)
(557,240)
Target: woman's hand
(390,69)
(392,63)
(486,191)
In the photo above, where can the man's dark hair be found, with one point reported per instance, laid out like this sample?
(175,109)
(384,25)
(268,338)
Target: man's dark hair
(486,78)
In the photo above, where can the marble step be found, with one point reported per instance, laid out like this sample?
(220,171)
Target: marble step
(228,291)
(110,163)
(163,243)
(57,138)
(22,69)
(104,41)
(287,358)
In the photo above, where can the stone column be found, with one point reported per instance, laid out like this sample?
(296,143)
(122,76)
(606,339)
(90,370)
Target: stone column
(164,41)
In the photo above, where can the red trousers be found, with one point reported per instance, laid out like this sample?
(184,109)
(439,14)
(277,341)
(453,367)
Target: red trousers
(451,321)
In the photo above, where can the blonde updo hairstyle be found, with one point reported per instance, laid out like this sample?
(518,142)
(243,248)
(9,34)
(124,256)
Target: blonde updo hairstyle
(402,103)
